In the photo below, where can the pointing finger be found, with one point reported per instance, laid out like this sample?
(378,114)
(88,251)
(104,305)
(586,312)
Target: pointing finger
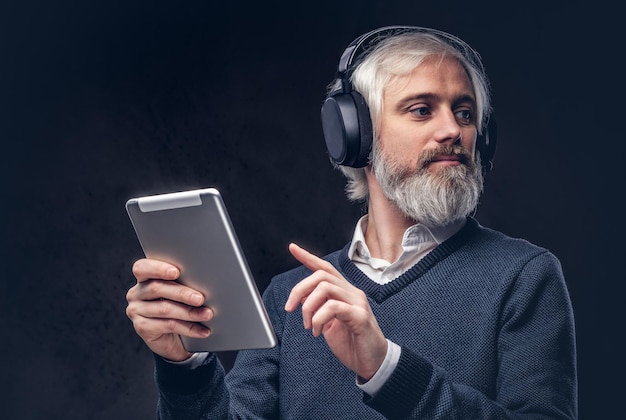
(311,261)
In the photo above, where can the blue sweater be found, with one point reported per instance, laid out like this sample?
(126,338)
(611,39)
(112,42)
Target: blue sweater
(486,329)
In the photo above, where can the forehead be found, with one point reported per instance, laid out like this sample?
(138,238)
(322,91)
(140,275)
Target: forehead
(434,75)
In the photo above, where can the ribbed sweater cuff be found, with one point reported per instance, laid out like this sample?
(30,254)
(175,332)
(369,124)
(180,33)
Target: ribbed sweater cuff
(406,386)
(182,380)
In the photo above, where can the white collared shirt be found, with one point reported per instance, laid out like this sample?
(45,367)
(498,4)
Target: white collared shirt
(417,241)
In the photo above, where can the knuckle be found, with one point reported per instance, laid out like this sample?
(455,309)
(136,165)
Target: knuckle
(361,294)
(154,288)
(171,325)
(325,286)
(164,308)
(333,305)
(137,267)
(130,294)
(140,327)
(319,280)
(306,309)
(130,312)
(319,275)
(183,294)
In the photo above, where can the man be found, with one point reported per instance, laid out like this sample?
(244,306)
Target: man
(425,313)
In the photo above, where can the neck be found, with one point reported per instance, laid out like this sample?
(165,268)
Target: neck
(386,223)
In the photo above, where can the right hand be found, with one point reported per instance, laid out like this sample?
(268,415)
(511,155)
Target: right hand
(162,309)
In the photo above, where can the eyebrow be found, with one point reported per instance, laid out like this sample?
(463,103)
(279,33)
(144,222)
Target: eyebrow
(433,97)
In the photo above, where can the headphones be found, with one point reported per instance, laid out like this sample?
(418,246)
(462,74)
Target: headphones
(346,120)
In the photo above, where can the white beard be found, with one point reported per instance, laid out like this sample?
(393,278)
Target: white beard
(438,198)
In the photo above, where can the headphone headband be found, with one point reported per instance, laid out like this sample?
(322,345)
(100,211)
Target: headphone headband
(364,42)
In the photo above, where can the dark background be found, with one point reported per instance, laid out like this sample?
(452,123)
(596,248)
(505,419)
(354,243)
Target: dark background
(103,101)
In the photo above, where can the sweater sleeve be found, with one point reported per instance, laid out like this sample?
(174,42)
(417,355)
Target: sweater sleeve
(536,355)
(197,393)
(249,390)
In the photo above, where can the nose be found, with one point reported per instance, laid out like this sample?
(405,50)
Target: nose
(448,129)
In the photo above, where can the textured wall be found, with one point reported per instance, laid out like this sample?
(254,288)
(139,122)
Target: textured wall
(100,102)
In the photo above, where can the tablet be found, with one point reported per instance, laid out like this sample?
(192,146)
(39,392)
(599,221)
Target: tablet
(193,231)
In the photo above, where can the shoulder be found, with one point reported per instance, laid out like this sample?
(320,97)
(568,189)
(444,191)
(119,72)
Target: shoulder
(513,263)
(497,246)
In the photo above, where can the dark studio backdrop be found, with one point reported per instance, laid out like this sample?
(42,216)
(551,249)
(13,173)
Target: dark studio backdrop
(103,101)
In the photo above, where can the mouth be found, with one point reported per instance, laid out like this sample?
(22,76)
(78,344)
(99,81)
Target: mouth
(448,160)
(441,158)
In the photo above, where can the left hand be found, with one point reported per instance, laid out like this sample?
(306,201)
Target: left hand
(335,308)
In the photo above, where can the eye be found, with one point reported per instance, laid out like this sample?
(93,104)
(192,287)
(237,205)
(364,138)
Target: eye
(420,111)
(465,115)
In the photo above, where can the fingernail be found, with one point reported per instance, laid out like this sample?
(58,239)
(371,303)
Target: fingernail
(172,272)
(196,299)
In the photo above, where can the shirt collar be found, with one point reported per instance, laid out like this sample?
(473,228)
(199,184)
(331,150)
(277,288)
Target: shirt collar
(412,238)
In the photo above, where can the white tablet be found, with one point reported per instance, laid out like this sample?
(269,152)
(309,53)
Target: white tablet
(193,231)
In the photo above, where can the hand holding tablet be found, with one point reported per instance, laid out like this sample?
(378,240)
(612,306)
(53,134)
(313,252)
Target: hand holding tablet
(192,231)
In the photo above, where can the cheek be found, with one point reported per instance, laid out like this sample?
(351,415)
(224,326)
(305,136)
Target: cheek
(400,146)
(404,153)
(468,141)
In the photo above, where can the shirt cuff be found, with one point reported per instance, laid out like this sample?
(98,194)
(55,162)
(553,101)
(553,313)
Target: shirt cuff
(193,362)
(390,362)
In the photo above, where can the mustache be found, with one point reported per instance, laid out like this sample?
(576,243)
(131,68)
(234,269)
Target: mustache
(431,155)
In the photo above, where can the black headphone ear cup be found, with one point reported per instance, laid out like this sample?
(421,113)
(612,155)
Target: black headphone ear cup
(486,144)
(347,129)
(366,130)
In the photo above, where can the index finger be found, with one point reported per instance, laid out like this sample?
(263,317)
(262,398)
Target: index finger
(311,261)
(146,269)
(322,271)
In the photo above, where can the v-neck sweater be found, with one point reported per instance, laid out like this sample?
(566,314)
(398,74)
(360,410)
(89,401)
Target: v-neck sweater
(484,321)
